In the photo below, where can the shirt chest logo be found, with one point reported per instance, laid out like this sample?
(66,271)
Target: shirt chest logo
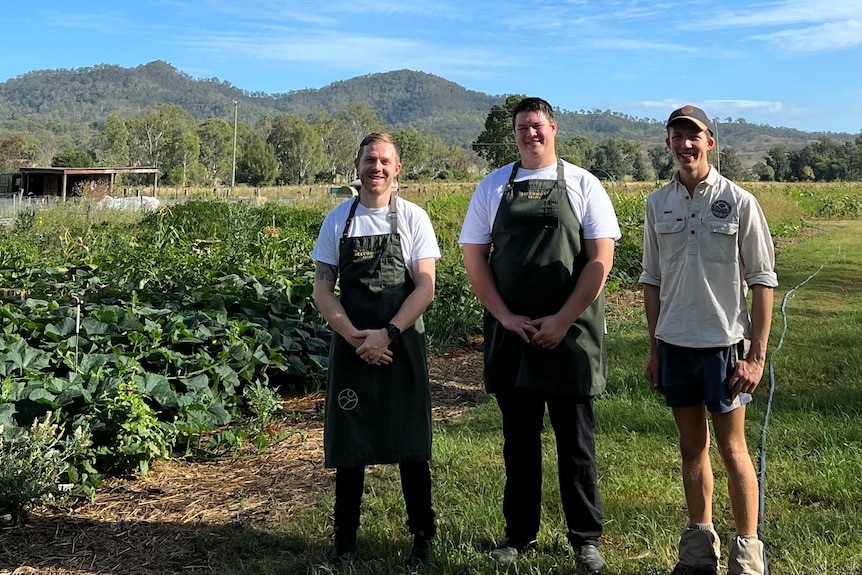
(720,209)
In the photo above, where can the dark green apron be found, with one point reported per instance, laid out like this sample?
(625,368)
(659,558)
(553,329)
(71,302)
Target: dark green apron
(376,413)
(537,255)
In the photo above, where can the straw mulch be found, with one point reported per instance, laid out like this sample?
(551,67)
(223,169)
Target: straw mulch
(167,521)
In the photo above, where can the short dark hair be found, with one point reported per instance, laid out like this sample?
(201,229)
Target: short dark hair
(375,138)
(533,105)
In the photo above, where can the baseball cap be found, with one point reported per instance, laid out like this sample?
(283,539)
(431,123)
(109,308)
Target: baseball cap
(692,114)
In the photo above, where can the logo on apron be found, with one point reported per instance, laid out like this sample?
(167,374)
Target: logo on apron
(347,399)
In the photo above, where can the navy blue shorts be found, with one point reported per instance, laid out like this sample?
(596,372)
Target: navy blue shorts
(690,376)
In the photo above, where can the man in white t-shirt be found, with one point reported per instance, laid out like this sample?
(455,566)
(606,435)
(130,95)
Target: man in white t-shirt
(538,242)
(382,251)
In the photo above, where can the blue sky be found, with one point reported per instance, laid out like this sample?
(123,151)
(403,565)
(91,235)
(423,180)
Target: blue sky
(794,63)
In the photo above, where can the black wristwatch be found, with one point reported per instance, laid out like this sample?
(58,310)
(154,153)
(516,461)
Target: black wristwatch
(393,332)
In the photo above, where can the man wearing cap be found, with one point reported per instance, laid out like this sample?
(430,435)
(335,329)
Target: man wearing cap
(706,243)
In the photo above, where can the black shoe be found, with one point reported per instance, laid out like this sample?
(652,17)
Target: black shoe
(344,548)
(681,569)
(419,553)
(590,561)
(508,550)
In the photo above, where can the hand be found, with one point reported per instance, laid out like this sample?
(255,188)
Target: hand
(374,349)
(519,325)
(653,373)
(747,376)
(550,331)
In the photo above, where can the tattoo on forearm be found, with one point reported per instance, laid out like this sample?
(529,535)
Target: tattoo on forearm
(325,272)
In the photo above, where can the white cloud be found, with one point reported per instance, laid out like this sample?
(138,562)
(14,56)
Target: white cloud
(831,36)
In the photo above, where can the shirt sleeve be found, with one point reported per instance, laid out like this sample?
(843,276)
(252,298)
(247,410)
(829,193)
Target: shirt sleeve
(756,248)
(326,248)
(651,264)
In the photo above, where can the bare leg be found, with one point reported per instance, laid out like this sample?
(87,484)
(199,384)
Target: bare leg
(697,479)
(741,477)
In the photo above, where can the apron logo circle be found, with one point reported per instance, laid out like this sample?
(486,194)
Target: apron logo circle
(347,399)
(720,209)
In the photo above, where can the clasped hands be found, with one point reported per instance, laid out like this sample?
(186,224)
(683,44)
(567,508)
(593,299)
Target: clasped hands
(545,332)
(372,346)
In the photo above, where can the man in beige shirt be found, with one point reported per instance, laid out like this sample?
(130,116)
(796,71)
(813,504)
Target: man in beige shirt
(706,242)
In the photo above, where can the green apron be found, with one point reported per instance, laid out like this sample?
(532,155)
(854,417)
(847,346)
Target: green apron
(376,413)
(537,255)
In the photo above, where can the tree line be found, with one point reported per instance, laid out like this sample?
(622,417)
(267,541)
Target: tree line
(287,149)
(824,160)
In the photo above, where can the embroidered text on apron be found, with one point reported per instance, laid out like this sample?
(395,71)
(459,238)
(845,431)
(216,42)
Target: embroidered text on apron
(537,255)
(376,413)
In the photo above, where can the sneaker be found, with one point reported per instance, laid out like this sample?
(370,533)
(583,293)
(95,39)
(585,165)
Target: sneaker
(508,550)
(343,550)
(420,552)
(681,569)
(590,561)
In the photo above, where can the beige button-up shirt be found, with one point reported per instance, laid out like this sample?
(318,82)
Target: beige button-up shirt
(703,252)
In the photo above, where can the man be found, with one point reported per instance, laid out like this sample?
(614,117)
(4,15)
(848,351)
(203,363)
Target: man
(538,242)
(382,250)
(705,243)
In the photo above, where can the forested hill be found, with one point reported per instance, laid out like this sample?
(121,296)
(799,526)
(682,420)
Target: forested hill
(70,102)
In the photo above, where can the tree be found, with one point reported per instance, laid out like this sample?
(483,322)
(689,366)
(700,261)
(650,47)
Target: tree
(16,153)
(616,157)
(216,146)
(155,137)
(257,164)
(778,159)
(414,152)
(496,143)
(338,143)
(662,162)
(731,165)
(113,142)
(577,151)
(72,158)
(183,153)
(298,148)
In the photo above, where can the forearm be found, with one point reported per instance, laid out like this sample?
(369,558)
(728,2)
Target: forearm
(652,305)
(333,312)
(421,296)
(591,281)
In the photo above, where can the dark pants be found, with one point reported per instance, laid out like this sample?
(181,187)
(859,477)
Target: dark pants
(572,418)
(415,484)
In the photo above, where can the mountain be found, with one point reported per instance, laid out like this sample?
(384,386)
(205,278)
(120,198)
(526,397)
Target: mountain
(64,106)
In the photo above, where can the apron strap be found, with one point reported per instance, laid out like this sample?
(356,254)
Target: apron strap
(393,216)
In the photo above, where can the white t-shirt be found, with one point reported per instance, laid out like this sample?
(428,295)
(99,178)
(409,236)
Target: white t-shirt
(414,227)
(589,200)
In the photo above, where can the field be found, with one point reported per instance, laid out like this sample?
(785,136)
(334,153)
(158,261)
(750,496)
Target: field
(260,502)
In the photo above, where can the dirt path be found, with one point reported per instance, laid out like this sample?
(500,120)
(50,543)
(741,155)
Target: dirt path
(157,524)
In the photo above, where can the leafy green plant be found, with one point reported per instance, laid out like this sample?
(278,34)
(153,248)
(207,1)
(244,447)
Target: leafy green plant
(30,465)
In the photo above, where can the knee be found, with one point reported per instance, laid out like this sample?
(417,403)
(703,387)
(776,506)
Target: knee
(693,447)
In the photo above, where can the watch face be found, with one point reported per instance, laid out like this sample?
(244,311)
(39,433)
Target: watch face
(394,332)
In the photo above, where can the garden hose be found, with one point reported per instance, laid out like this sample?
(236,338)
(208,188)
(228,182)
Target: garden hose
(762,487)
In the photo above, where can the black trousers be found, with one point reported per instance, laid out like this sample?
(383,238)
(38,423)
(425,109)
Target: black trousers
(415,484)
(572,419)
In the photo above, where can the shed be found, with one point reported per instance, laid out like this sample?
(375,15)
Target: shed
(52,181)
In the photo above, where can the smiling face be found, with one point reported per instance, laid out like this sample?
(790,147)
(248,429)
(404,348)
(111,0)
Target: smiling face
(378,167)
(690,145)
(535,135)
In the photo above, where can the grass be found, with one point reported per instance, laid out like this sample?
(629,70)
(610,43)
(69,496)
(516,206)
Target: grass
(811,525)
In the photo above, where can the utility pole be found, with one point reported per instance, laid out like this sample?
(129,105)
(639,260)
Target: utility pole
(717,146)
(233,169)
